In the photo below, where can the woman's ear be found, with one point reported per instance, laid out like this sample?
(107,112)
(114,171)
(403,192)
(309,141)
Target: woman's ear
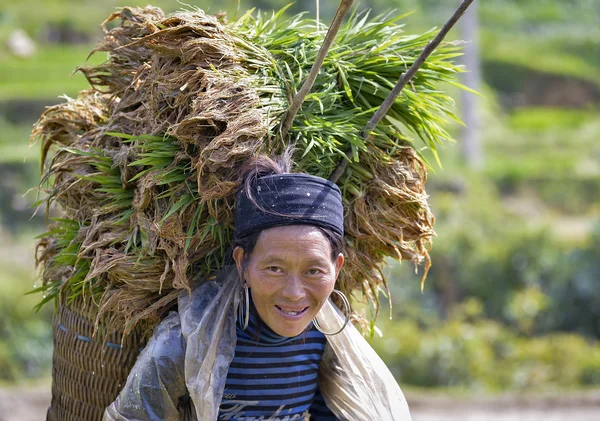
(238,256)
(339,262)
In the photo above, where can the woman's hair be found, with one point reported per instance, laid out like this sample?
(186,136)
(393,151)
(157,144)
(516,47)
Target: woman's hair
(262,166)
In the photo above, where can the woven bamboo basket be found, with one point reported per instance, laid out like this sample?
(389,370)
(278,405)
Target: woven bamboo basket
(88,370)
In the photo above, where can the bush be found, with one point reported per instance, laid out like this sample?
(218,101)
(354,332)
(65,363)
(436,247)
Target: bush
(507,304)
(525,275)
(469,351)
(25,336)
(590,370)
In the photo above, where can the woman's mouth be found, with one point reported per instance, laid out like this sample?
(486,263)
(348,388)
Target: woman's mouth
(293,313)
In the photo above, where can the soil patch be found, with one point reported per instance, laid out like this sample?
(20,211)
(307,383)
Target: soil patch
(31,403)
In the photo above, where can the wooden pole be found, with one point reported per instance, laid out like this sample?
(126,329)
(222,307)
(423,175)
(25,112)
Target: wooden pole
(404,79)
(314,71)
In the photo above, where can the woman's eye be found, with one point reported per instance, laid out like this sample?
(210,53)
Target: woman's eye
(276,269)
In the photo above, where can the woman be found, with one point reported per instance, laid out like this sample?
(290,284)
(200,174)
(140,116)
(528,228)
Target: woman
(273,361)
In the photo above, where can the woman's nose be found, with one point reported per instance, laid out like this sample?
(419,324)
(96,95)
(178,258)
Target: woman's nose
(293,289)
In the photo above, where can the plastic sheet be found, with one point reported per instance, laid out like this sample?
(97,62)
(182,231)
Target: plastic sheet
(156,382)
(192,353)
(355,383)
(208,322)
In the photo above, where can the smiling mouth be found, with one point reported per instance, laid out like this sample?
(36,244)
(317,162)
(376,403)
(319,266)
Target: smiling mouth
(292,312)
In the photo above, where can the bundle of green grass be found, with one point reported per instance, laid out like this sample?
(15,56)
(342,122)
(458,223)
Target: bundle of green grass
(144,166)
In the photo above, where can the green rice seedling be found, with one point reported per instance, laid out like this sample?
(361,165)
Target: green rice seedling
(147,160)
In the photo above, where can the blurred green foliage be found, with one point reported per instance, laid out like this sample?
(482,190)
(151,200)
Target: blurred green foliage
(509,303)
(558,157)
(14,145)
(551,119)
(470,351)
(25,336)
(48,73)
(529,275)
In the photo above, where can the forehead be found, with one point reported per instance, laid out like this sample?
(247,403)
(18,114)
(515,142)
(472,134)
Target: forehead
(299,239)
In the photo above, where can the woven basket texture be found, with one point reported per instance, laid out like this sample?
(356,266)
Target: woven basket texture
(87,371)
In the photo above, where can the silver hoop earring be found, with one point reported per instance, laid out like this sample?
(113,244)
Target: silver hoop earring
(244,308)
(347,308)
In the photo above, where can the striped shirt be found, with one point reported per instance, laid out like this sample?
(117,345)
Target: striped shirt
(273,377)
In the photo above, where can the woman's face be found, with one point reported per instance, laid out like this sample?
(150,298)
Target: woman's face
(291,274)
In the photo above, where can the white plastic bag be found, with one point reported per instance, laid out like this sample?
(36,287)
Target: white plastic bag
(355,383)
(156,382)
(208,325)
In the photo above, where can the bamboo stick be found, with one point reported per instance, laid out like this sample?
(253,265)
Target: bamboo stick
(402,81)
(314,71)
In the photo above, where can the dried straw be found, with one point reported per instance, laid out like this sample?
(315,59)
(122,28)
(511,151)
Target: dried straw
(144,165)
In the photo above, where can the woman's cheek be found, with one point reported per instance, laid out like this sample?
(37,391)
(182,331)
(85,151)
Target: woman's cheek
(270,282)
(323,288)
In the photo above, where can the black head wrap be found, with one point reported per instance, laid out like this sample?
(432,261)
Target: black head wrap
(289,199)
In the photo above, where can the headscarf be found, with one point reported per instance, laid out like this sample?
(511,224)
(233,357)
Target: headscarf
(289,199)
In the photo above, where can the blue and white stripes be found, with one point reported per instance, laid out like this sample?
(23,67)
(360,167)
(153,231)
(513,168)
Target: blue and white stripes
(273,377)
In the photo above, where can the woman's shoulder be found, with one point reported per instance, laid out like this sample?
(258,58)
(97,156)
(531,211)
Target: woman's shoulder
(167,339)
(194,304)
